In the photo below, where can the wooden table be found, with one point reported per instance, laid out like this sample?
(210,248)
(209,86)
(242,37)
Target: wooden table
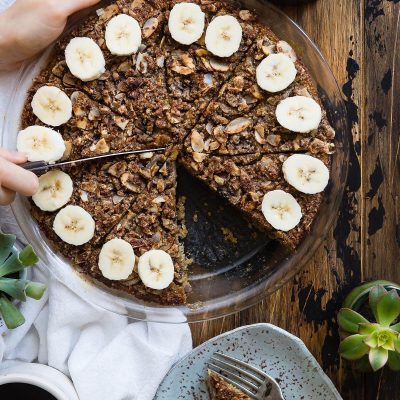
(359,38)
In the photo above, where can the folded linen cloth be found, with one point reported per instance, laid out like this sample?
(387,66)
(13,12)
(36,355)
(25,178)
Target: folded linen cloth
(106,355)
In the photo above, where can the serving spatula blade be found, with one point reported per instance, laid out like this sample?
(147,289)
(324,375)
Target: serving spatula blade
(43,166)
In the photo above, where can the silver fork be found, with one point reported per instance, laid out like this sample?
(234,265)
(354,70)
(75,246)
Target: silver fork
(250,380)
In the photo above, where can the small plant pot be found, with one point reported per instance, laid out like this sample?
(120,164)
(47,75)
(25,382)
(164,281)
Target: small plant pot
(358,297)
(369,326)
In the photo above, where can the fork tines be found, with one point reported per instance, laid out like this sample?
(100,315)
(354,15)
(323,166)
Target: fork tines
(250,380)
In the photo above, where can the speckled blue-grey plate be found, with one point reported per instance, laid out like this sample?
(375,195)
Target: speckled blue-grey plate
(277,352)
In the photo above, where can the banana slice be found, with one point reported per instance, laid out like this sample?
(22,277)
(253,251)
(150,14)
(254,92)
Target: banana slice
(281,210)
(186,23)
(299,114)
(116,260)
(276,73)
(52,106)
(123,35)
(305,173)
(156,269)
(41,144)
(55,190)
(223,36)
(85,59)
(74,225)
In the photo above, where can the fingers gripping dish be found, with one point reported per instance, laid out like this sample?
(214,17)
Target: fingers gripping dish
(232,103)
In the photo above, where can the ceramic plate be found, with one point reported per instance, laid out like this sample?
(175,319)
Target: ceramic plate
(275,351)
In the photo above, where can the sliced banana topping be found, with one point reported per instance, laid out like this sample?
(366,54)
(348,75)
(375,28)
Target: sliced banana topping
(186,23)
(116,260)
(123,35)
(74,225)
(156,269)
(52,106)
(85,59)
(55,190)
(223,36)
(299,114)
(41,144)
(281,210)
(276,73)
(305,173)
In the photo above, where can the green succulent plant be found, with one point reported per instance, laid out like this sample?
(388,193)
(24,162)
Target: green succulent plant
(377,341)
(12,287)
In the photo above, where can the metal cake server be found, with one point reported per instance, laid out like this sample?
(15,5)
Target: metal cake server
(43,166)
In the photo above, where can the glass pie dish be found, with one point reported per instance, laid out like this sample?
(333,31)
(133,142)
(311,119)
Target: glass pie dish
(227,275)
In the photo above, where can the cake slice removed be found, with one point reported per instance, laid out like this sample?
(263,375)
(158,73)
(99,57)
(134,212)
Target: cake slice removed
(220,389)
(245,182)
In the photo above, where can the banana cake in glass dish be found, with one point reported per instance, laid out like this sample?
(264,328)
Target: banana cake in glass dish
(231,102)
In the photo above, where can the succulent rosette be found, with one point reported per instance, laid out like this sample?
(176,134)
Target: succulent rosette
(377,341)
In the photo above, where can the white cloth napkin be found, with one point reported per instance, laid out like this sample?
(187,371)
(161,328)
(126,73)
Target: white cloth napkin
(105,355)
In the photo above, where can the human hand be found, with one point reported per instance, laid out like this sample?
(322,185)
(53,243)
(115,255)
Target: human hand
(14,178)
(29,26)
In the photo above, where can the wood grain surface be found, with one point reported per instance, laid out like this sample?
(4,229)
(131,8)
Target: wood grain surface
(360,39)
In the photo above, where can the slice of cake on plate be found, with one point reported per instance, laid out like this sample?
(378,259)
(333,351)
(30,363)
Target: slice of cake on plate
(220,389)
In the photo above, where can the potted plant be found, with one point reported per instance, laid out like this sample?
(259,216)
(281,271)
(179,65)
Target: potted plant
(14,286)
(370,327)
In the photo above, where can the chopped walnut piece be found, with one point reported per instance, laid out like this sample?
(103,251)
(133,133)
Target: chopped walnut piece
(197,142)
(285,48)
(150,27)
(101,147)
(237,125)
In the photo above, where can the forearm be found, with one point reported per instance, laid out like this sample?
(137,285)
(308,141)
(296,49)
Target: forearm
(29,26)
(7,42)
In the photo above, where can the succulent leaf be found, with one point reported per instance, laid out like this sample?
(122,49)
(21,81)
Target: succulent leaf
(367,328)
(19,289)
(349,320)
(6,245)
(28,256)
(11,265)
(386,338)
(394,361)
(371,340)
(17,262)
(353,347)
(12,317)
(35,290)
(12,262)
(396,343)
(378,358)
(375,295)
(388,308)
(14,288)
(396,327)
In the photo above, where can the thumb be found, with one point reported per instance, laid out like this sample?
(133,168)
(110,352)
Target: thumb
(72,6)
